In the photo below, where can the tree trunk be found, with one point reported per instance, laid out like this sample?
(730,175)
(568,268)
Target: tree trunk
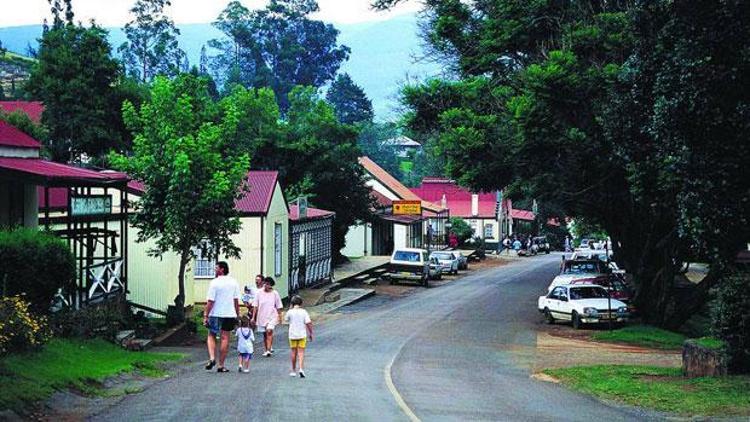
(179,301)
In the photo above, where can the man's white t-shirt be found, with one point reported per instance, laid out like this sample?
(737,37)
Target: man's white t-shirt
(297,318)
(223,290)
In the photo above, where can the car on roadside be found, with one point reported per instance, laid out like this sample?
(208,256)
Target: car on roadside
(616,287)
(412,264)
(447,260)
(582,304)
(574,269)
(542,244)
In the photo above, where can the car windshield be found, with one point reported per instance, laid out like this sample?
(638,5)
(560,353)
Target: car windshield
(581,267)
(587,293)
(443,256)
(406,256)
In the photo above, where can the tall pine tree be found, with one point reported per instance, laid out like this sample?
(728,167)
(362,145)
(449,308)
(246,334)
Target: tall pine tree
(349,100)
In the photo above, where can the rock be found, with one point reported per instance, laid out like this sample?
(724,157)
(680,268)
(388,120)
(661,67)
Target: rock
(700,361)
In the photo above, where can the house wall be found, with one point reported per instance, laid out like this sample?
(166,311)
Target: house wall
(278,212)
(358,241)
(400,237)
(380,188)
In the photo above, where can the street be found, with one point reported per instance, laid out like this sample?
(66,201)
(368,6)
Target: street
(461,351)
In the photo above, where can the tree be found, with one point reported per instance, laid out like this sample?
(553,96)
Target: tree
(349,101)
(277,47)
(372,141)
(3,50)
(193,175)
(81,86)
(151,48)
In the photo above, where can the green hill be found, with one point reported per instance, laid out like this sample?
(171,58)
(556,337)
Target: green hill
(14,71)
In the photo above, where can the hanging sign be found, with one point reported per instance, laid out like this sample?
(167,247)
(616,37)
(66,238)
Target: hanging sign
(90,205)
(407,207)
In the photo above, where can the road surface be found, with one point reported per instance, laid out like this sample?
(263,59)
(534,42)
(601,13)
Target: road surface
(461,351)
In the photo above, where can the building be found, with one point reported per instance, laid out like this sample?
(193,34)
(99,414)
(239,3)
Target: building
(389,230)
(85,213)
(263,239)
(403,146)
(310,246)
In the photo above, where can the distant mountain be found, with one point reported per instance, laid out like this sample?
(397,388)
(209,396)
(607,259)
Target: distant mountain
(382,56)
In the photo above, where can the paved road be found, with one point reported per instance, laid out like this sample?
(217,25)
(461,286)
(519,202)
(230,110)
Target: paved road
(461,351)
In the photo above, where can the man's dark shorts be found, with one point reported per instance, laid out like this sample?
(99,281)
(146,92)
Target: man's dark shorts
(224,324)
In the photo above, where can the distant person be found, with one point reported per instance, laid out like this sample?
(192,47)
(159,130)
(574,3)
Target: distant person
(507,244)
(300,329)
(245,338)
(250,291)
(267,313)
(452,240)
(517,245)
(220,314)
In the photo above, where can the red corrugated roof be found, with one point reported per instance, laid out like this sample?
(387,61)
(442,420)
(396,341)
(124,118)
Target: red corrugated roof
(261,185)
(33,109)
(393,185)
(522,214)
(381,199)
(58,197)
(13,137)
(458,199)
(312,213)
(57,172)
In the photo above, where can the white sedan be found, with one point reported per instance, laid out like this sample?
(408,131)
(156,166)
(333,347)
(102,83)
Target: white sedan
(587,304)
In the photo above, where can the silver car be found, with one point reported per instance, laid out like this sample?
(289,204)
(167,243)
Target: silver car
(449,261)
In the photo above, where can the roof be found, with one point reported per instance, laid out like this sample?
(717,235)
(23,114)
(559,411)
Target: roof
(402,141)
(56,174)
(401,219)
(312,213)
(393,185)
(12,137)
(33,109)
(58,198)
(381,199)
(457,198)
(261,185)
(522,214)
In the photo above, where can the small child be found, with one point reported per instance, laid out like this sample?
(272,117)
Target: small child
(300,328)
(247,299)
(245,339)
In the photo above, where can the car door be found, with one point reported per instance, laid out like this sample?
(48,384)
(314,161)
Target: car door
(553,303)
(565,308)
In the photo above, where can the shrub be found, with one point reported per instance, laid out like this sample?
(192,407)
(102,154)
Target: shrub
(35,264)
(462,229)
(103,321)
(19,329)
(731,318)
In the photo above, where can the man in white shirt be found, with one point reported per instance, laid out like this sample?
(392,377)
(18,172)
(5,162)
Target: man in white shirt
(220,315)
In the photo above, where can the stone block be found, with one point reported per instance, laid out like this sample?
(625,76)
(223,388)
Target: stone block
(700,361)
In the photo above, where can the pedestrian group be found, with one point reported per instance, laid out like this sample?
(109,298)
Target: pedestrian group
(264,312)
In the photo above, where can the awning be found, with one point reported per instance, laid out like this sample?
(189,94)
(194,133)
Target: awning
(401,219)
(43,172)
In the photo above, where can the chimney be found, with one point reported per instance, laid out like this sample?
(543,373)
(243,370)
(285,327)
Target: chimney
(444,202)
(474,204)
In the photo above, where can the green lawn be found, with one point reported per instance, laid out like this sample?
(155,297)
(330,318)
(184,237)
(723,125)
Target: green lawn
(63,363)
(662,389)
(642,335)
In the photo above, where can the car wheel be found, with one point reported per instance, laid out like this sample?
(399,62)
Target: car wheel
(548,316)
(576,321)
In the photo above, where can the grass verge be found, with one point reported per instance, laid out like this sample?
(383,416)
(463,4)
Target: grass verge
(662,389)
(64,363)
(642,335)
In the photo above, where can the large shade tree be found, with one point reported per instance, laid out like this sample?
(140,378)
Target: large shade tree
(609,110)
(183,154)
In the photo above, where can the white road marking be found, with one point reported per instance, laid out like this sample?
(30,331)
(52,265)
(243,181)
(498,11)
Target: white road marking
(396,395)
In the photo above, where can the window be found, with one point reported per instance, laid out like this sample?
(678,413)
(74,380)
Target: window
(277,249)
(302,241)
(407,256)
(488,229)
(205,263)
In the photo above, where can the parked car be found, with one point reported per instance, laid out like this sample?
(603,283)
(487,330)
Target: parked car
(578,269)
(463,261)
(616,287)
(589,304)
(448,261)
(412,264)
(542,245)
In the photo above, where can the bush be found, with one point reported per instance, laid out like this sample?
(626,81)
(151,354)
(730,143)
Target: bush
(462,229)
(20,330)
(731,318)
(102,321)
(35,264)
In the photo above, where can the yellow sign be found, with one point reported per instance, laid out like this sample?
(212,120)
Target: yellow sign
(407,207)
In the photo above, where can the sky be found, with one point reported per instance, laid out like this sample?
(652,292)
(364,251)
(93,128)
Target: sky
(110,13)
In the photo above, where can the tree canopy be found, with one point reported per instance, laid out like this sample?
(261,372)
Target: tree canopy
(151,48)
(349,101)
(183,154)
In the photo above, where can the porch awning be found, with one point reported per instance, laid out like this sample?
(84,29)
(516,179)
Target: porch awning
(43,172)
(402,219)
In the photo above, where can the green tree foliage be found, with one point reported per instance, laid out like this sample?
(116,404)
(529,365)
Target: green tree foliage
(461,229)
(372,141)
(82,89)
(36,264)
(23,123)
(151,48)
(349,101)
(182,152)
(731,321)
(609,110)
(278,47)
